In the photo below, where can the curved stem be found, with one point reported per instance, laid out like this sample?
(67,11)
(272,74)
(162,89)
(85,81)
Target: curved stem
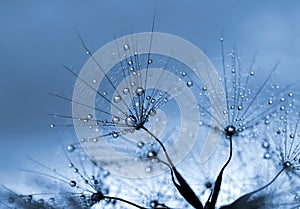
(125,201)
(161,144)
(245,198)
(212,200)
(179,182)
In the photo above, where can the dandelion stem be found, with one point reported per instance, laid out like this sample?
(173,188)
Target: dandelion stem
(179,182)
(243,199)
(125,201)
(212,200)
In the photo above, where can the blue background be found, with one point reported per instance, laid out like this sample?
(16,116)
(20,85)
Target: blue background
(38,37)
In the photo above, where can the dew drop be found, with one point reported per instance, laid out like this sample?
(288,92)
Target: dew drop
(267,155)
(116,119)
(282,107)
(204,88)
(252,73)
(41,201)
(70,148)
(282,99)
(270,102)
(152,112)
(265,144)
(89,116)
(240,107)
(292,136)
(130,120)
(117,98)
(189,83)
(126,90)
(152,154)
(139,91)
(150,61)
(52,125)
(140,144)
(11,199)
(115,134)
(72,183)
(221,39)
(126,47)
(94,81)
(290,94)
(183,73)
(148,169)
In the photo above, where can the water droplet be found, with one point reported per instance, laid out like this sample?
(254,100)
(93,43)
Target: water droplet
(132,83)
(71,165)
(282,107)
(152,154)
(282,99)
(117,98)
(116,119)
(130,120)
(221,39)
(270,102)
(150,61)
(152,112)
(72,183)
(292,136)
(204,88)
(183,73)
(252,73)
(52,125)
(140,144)
(115,134)
(290,94)
(94,81)
(148,169)
(70,148)
(267,155)
(89,116)
(11,199)
(265,144)
(189,83)
(126,90)
(41,201)
(240,107)
(126,47)
(139,91)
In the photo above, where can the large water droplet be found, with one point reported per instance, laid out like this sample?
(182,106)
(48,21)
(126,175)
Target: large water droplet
(126,90)
(130,120)
(116,119)
(139,91)
(117,98)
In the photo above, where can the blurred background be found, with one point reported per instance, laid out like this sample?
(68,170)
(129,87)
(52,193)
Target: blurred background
(38,37)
